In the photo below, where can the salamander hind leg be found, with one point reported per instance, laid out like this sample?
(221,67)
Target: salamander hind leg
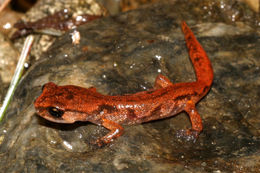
(162,81)
(116,130)
(196,122)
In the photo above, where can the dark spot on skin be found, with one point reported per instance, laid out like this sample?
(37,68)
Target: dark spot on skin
(59,94)
(155,114)
(194,49)
(189,38)
(156,111)
(108,108)
(196,59)
(150,91)
(186,96)
(64,90)
(69,97)
(205,88)
(131,114)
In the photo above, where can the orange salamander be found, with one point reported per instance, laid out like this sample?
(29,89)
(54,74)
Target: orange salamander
(67,104)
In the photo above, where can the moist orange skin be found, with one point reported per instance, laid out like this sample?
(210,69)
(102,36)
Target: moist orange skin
(67,104)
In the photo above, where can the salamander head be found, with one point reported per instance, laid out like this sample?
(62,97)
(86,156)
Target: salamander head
(60,104)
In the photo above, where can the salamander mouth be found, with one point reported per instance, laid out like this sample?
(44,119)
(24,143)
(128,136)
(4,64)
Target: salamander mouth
(44,113)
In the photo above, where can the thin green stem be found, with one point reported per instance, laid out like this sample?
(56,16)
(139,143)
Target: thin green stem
(17,75)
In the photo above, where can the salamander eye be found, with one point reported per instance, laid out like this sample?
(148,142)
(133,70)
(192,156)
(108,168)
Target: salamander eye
(55,112)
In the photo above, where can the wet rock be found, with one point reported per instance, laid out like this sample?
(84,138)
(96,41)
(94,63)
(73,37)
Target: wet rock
(49,7)
(124,54)
(8,59)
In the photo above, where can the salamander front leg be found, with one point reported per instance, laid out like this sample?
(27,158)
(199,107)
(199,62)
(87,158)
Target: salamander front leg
(116,130)
(196,122)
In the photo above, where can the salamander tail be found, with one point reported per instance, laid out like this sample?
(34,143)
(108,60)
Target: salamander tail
(198,56)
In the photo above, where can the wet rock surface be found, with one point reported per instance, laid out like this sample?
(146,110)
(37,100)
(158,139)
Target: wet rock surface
(44,8)
(10,48)
(123,54)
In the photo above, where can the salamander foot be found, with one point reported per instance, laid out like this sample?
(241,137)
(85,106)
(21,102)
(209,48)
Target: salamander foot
(188,135)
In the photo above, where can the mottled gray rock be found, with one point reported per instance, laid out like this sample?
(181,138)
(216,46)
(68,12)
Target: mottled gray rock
(124,54)
(8,59)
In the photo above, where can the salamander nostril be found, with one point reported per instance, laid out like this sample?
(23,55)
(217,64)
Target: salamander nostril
(55,112)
